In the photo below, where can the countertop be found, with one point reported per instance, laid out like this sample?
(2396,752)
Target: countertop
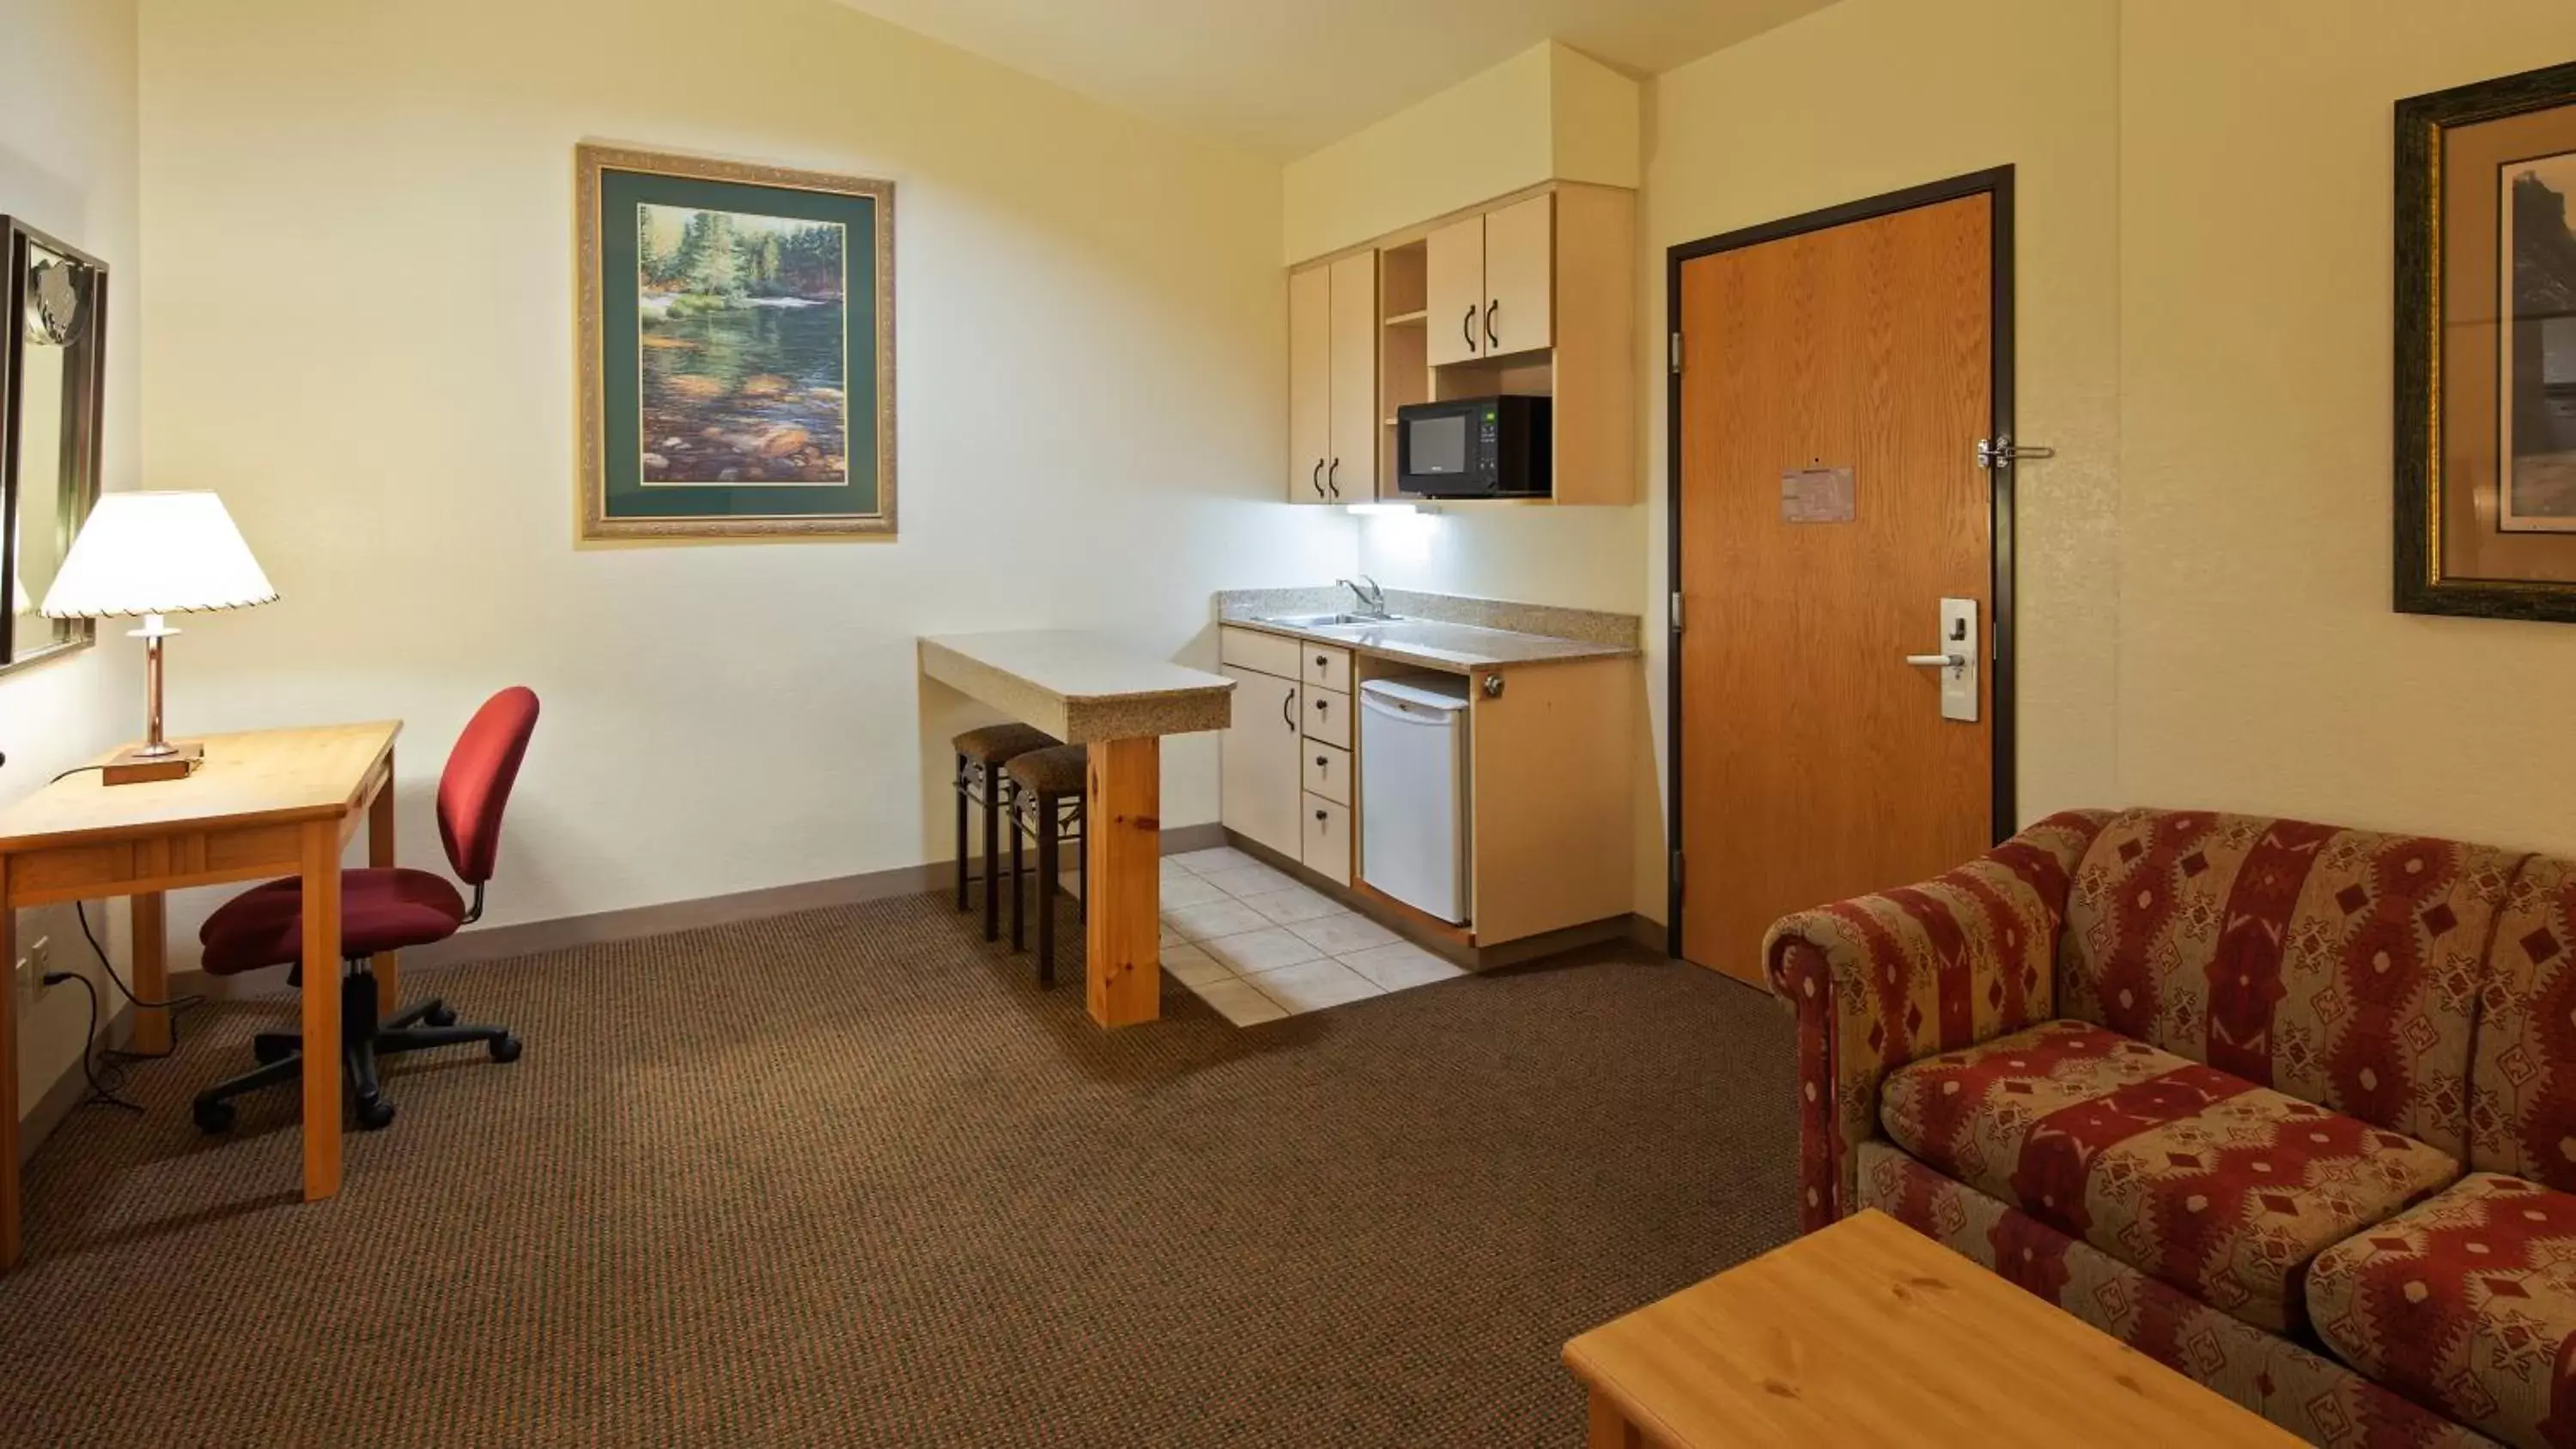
(1437,644)
(1079,686)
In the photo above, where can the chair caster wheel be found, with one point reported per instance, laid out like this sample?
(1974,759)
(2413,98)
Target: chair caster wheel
(438,1015)
(505,1049)
(375,1114)
(213,1118)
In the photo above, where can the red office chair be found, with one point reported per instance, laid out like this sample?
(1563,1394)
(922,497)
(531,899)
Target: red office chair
(381,909)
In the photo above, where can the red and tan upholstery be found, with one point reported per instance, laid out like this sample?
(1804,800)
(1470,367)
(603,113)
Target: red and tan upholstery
(2467,1305)
(2339,966)
(2314,1397)
(2522,1093)
(2211,1082)
(1882,980)
(2198,1178)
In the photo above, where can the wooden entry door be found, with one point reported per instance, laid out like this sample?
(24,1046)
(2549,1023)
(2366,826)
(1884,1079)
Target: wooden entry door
(1814,761)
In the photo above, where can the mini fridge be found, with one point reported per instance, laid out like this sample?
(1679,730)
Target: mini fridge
(1414,792)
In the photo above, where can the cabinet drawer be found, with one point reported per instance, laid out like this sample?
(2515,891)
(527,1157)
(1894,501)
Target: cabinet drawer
(1324,668)
(1251,649)
(1327,713)
(1328,839)
(1328,771)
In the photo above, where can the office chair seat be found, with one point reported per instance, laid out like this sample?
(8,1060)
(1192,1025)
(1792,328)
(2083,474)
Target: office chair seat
(381,909)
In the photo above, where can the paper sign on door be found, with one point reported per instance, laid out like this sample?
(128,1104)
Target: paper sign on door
(1816,495)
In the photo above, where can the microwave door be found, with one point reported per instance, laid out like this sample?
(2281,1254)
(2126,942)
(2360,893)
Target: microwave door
(1435,453)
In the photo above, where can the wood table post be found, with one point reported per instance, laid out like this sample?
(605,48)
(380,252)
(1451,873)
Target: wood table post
(147,921)
(1123,836)
(321,857)
(8,1076)
(387,965)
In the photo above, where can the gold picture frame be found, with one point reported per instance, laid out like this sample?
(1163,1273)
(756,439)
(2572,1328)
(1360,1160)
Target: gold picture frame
(737,367)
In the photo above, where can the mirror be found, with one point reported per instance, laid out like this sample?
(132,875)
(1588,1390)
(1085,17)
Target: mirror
(52,374)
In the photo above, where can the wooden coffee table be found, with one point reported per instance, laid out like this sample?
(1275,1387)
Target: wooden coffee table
(1870,1333)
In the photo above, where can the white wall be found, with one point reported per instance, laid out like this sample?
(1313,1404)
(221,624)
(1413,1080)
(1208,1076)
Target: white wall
(67,167)
(361,224)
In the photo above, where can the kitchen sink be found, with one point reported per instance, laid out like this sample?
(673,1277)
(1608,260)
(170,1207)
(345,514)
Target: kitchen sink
(1320,621)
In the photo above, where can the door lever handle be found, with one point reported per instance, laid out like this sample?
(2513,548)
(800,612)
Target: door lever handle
(1938,661)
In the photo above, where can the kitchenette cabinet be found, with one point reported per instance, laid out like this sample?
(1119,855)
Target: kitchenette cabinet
(1287,766)
(1332,381)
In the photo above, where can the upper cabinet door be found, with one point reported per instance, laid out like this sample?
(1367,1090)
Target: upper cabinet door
(1454,284)
(1310,383)
(1520,272)
(1350,469)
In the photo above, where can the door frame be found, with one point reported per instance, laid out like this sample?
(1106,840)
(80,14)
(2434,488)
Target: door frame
(1996,183)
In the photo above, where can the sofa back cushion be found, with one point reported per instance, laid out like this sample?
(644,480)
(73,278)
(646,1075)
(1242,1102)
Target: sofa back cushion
(2522,1103)
(2338,966)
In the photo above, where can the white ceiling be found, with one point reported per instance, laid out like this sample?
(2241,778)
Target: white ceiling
(1287,76)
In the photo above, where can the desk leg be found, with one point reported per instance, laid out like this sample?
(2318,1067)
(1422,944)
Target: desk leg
(150,928)
(1608,1428)
(380,853)
(1123,835)
(321,1009)
(8,1078)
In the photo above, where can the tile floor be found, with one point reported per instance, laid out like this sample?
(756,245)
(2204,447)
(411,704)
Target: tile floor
(1257,946)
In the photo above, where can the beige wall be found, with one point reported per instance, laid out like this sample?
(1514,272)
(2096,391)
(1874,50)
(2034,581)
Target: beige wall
(361,223)
(67,167)
(2261,667)
(1549,113)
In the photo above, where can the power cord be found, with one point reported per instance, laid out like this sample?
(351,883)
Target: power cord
(107,1069)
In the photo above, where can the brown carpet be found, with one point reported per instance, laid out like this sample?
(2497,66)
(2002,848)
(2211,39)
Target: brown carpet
(850,1178)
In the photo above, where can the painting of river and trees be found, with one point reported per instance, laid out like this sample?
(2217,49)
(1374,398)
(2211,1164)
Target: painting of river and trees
(741,348)
(737,349)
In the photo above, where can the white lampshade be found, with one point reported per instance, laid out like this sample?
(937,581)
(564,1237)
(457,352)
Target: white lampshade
(19,603)
(156,553)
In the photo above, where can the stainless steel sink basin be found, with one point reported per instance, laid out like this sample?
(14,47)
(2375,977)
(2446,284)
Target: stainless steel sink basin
(1320,621)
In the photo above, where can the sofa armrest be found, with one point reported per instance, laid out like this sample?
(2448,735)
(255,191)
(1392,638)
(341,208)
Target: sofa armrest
(1886,979)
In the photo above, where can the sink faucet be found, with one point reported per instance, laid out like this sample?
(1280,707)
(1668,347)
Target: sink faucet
(1372,599)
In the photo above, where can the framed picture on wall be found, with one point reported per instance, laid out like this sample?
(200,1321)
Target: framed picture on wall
(2486,349)
(737,350)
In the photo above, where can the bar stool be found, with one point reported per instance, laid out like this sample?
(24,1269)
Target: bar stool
(979,753)
(1046,806)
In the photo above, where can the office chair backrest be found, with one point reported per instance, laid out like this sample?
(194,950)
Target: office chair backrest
(476,785)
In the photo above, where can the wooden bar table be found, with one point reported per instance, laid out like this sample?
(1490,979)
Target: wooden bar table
(1119,702)
(267,803)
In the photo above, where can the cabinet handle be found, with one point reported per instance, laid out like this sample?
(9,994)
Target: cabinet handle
(1491,341)
(1320,816)
(1323,704)
(1319,661)
(1333,477)
(1319,762)
(1286,703)
(1467,328)
(1317,477)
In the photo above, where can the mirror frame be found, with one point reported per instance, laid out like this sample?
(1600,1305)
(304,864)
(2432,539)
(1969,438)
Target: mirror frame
(84,395)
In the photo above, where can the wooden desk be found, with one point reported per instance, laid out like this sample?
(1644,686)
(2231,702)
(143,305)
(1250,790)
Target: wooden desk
(265,804)
(1870,1333)
(1120,702)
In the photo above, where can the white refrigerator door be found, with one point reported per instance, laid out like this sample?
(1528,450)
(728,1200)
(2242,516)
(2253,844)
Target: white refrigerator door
(1413,839)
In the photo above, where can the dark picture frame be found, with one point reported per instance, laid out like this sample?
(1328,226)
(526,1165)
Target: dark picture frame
(737,350)
(2469,360)
(53,319)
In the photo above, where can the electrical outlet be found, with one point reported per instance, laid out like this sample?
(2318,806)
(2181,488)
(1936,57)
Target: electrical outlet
(32,968)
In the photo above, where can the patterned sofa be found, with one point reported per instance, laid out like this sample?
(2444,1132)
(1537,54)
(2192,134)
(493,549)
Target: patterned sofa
(2288,1107)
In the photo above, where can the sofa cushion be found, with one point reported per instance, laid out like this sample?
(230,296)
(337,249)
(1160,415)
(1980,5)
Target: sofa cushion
(2339,966)
(2522,1093)
(2466,1304)
(2219,1187)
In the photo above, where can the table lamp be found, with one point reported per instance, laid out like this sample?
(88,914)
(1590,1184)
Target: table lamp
(153,554)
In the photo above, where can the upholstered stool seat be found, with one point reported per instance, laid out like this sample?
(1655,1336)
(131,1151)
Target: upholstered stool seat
(1054,771)
(981,752)
(1046,788)
(999,744)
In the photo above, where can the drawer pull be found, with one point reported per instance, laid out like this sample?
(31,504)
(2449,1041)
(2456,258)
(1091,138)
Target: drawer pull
(1320,815)
(1320,762)
(1323,704)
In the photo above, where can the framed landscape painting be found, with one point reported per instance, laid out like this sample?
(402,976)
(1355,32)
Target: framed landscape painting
(2486,349)
(737,350)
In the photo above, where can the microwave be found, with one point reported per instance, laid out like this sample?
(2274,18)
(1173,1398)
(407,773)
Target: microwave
(1478,447)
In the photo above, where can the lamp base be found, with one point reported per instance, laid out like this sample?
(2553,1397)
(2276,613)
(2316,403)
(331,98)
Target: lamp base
(133,767)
